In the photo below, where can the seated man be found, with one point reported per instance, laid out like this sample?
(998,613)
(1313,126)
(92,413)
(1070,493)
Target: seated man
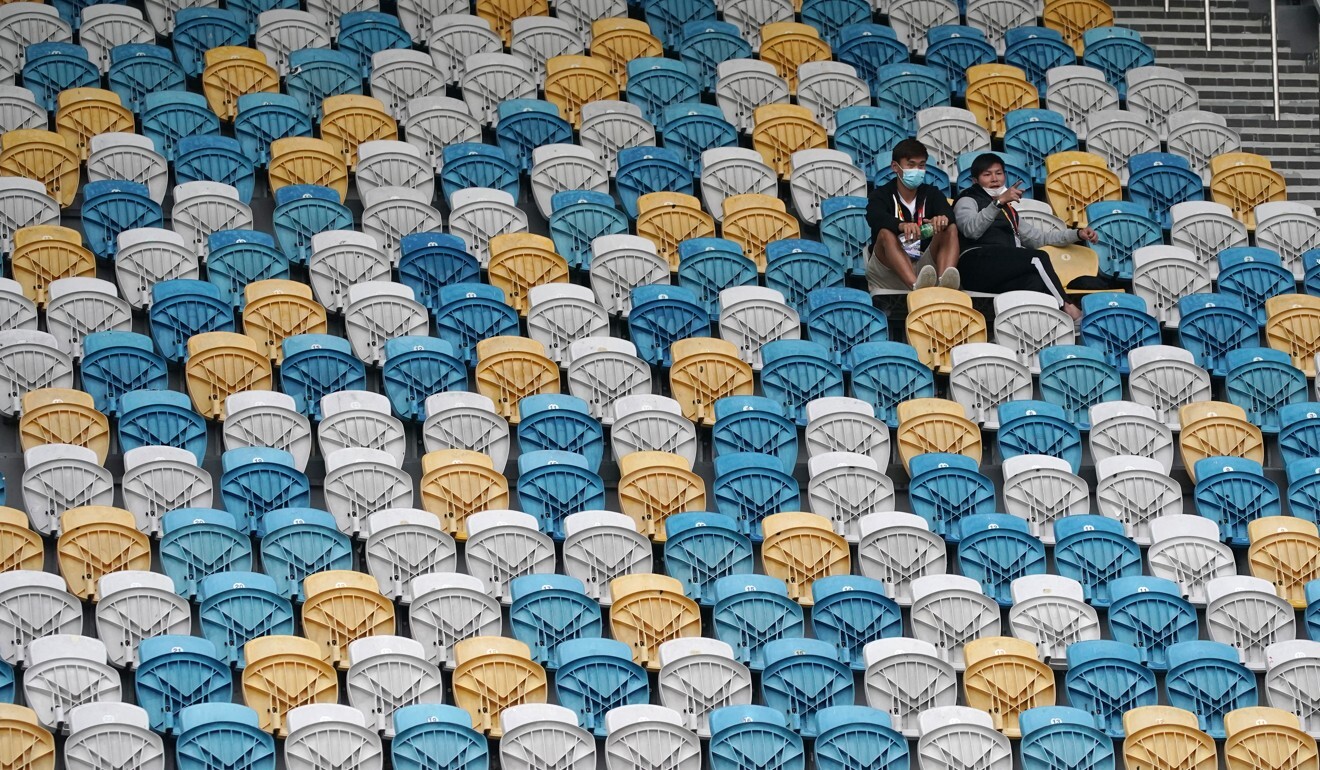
(900,257)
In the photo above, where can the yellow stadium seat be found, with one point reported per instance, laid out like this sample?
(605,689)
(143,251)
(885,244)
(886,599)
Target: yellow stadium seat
(648,611)
(221,364)
(43,254)
(1075,261)
(492,673)
(939,320)
(348,120)
(1261,738)
(283,673)
(619,40)
(343,606)
(573,80)
(1072,18)
(779,130)
(994,90)
(43,156)
(668,218)
(233,71)
(85,112)
(20,547)
(24,743)
(1004,678)
(519,261)
(501,13)
(1217,429)
(276,309)
(753,220)
(1285,550)
(63,416)
(1292,325)
(655,485)
(788,45)
(511,368)
(1074,180)
(936,425)
(1242,181)
(302,160)
(799,549)
(1166,738)
(704,370)
(96,540)
(457,483)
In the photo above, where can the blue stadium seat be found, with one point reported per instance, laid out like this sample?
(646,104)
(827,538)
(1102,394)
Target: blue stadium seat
(1158,180)
(223,735)
(1076,378)
(250,10)
(752,738)
(1094,551)
(303,210)
(298,542)
(1058,737)
(315,73)
(947,488)
(196,543)
(110,207)
(829,17)
(71,10)
(168,116)
(549,610)
(175,672)
(910,88)
(1313,610)
(363,33)
(525,124)
(472,164)
(797,371)
(470,312)
(1253,275)
(841,319)
(1016,167)
(553,484)
(560,423)
(803,677)
(692,128)
(844,229)
(755,424)
(795,267)
(655,83)
(1035,134)
(196,30)
(1150,614)
(1114,51)
(849,612)
(1037,50)
(667,18)
(750,612)
(428,262)
(262,118)
(596,675)
(215,159)
(579,217)
(418,367)
(1233,492)
(160,418)
(869,48)
(702,547)
(868,134)
(1209,680)
(1304,486)
(1123,227)
(1115,324)
(430,735)
(645,170)
(1211,325)
(750,487)
(317,364)
(258,480)
(183,307)
(660,316)
(54,67)
(1311,262)
(115,363)
(1262,381)
(1108,679)
(952,48)
(137,70)
(995,549)
(853,737)
(707,266)
(6,682)
(1039,428)
(236,607)
(1300,436)
(706,44)
(236,258)
(885,374)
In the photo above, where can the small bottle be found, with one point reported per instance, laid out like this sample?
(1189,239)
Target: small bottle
(927,230)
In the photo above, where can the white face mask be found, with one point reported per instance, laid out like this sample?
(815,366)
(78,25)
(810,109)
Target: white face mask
(995,192)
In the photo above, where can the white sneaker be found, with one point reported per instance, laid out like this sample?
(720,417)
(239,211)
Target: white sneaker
(925,278)
(951,279)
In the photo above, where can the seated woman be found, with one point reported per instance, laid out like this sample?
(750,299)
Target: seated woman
(1000,252)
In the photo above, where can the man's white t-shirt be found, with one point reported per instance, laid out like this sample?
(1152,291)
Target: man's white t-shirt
(913,247)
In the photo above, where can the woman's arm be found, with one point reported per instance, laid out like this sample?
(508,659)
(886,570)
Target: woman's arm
(973,222)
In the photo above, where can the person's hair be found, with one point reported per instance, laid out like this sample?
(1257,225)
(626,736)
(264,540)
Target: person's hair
(983,163)
(909,149)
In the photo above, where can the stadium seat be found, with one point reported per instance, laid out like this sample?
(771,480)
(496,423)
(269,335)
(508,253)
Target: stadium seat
(348,120)
(95,541)
(462,420)
(232,71)
(62,416)
(1271,734)
(456,483)
(649,610)
(949,611)
(267,419)
(281,31)
(237,258)
(985,375)
(1242,181)
(686,663)
(1076,180)
(851,612)
(1150,614)
(596,676)
(103,27)
(264,118)
(955,49)
(620,40)
(1040,489)
(1289,327)
(1005,678)
(994,90)
(1283,551)
(341,607)
(904,677)
(400,76)
(1290,229)
(79,307)
(741,735)
(1050,612)
(801,548)
(749,487)
(1208,679)
(276,310)
(938,320)
(1290,665)
(1155,734)
(381,311)
(600,546)
(1116,324)
(176,672)
(423,731)
(706,44)
(43,156)
(1080,93)
(283,673)
(1206,228)
(1036,50)
(1077,377)
(572,81)
(1035,134)
(817,175)
(667,219)
(1262,380)
(1160,93)
(803,677)
(645,422)
(1246,614)
(64,672)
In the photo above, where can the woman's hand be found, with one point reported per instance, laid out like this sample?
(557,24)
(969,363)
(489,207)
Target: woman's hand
(1087,234)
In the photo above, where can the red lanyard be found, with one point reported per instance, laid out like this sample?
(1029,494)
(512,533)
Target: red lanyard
(899,208)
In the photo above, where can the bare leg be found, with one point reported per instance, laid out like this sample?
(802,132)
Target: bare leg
(890,253)
(944,249)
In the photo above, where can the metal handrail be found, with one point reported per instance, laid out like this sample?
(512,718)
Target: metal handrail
(1274,46)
